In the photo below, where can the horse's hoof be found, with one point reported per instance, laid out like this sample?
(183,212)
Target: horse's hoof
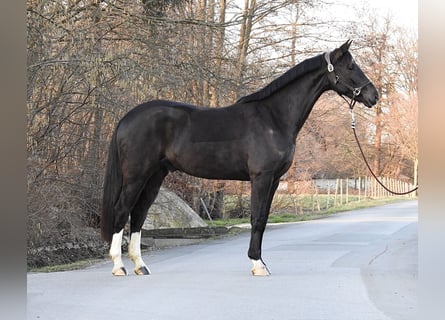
(260,272)
(259,268)
(142,271)
(120,272)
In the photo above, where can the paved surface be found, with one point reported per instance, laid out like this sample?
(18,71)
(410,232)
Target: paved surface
(356,265)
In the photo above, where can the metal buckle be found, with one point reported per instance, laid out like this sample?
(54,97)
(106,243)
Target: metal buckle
(356,92)
(330,67)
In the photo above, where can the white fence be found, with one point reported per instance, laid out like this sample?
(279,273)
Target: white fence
(366,187)
(312,196)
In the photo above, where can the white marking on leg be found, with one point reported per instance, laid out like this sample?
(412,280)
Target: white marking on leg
(259,268)
(134,251)
(116,254)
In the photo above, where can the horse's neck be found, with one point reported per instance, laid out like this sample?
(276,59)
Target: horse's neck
(294,103)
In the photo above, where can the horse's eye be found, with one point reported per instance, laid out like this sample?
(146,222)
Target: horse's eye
(351,66)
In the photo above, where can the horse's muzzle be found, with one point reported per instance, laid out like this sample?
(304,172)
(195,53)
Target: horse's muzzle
(369,97)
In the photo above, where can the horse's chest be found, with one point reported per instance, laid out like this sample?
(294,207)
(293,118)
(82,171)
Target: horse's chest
(286,159)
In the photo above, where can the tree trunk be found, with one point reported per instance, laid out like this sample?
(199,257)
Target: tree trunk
(219,54)
(378,141)
(415,171)
(294,34)
(243,43)
(92,156)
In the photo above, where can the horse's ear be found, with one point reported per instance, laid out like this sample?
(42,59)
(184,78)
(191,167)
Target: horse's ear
(345,46)
(337,53)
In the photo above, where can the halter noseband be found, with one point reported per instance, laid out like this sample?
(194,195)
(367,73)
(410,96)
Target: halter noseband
(335,78)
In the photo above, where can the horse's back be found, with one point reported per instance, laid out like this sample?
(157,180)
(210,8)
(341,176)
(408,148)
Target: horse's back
(206,124)
(150,108)
(153,115)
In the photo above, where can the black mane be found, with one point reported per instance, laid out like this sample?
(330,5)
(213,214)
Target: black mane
(290,75)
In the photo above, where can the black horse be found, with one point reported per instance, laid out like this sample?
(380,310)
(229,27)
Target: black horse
(251,140)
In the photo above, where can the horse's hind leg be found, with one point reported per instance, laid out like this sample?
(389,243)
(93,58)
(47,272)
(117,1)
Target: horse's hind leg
(138,215)
(116,254)
(127,199)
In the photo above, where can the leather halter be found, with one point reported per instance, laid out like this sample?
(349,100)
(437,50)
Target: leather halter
(335,78)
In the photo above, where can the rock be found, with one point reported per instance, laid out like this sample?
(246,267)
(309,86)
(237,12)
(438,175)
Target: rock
(170,211)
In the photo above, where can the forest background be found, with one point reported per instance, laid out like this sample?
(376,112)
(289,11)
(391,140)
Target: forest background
(90,61)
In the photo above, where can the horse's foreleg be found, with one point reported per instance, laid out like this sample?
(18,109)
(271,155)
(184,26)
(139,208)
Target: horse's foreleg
(263,190)
(116,255)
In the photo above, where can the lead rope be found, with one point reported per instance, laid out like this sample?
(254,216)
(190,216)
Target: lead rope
(351,111)
(355,92)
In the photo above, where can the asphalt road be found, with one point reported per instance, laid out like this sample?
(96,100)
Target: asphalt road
(355,265)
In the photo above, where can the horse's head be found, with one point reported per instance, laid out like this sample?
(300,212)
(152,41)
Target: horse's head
(346,77)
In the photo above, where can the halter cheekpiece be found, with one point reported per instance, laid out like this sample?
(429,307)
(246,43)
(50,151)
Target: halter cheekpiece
(327,57)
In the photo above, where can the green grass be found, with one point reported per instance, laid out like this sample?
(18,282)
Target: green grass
(230,222)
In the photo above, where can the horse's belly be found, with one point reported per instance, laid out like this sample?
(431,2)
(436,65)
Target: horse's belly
(211,161)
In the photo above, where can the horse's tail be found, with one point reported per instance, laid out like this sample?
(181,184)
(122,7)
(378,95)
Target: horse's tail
(111,190)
